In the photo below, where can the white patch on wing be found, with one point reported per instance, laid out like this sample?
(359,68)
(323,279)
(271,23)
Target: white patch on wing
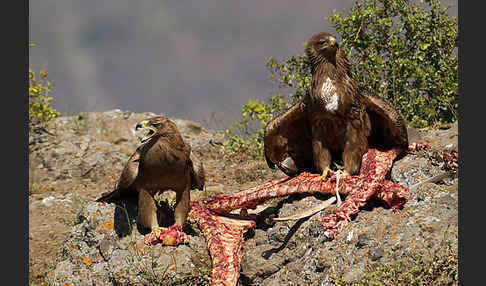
(329,95)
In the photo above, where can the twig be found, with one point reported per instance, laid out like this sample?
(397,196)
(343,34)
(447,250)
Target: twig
(434,179)
(359,30)
(310,212)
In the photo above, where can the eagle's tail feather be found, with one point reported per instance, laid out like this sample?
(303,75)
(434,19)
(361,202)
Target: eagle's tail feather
(109,197)
(106,197)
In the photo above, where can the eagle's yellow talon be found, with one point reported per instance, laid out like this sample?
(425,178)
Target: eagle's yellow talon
(158,230)
(324,175)
(154,235)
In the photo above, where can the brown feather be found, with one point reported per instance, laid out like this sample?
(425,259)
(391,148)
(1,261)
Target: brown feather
(288,137)
(389,128)
(161,163)
(314,131)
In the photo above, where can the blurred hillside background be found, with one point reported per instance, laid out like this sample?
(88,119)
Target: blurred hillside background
(198,60)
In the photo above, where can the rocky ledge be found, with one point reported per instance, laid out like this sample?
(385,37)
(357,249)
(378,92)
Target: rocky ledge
(105,246)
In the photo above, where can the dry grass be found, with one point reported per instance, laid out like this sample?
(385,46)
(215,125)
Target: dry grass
(434,266)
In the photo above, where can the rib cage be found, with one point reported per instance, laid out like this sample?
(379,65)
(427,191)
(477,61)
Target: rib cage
(394,195)
(224,236)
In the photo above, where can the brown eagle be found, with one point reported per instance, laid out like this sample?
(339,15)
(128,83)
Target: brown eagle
(336,119)
(163,161)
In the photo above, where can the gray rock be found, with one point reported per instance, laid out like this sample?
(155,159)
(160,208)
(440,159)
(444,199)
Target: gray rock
(304,256)
(105,246)
(94,253)
(376,253)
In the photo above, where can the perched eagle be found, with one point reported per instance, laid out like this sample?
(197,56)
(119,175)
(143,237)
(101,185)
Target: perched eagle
(162,162)
(336,118)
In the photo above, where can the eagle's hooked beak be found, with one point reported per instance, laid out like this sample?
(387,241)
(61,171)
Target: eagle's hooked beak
(331,41)
(145,124)
(141,124)
(332,44)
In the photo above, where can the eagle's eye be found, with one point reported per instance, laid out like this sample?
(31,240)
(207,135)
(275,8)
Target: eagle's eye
(155,124)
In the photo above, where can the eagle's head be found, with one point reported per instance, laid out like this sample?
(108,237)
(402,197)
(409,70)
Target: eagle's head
(322,47)
(159,125)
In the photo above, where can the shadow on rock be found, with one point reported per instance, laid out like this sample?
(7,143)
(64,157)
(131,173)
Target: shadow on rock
(267,254)
(126,214)
(125,217)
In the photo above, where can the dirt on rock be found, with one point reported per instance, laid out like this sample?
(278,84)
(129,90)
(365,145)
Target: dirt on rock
(74,240)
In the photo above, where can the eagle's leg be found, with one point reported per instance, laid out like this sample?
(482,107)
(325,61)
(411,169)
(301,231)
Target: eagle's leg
(182,206)
(322,159)
(174,234)
(147,216)
(355,147)
(147,213)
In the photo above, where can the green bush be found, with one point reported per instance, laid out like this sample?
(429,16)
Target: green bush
(39,101)
(293,73)
(403,51)
(246,135)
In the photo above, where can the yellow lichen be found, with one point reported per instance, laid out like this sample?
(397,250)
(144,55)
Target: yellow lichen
(87,261)
(109,225)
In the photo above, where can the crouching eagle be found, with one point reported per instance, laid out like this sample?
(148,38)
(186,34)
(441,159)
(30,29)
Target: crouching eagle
(335,119)
(163,161)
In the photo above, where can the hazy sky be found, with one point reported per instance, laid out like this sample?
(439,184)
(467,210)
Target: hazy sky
(183,58)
